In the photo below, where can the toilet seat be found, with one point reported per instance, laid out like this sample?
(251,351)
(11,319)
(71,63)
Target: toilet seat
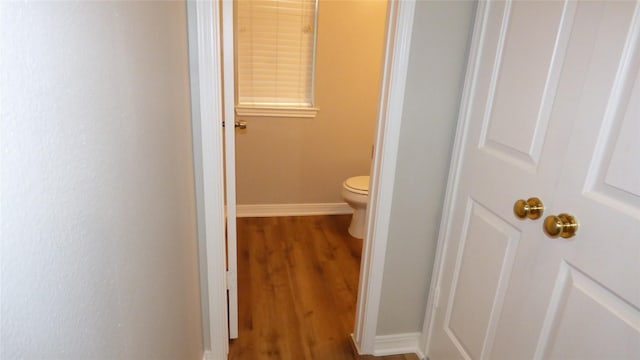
(357,184)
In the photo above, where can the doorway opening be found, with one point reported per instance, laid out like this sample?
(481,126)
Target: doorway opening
(205,47)
(296,166)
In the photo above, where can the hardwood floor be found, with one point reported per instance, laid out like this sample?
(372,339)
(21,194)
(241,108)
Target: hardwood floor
(297,287)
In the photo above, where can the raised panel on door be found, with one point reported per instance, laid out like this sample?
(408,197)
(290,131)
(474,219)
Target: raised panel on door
(586,320)
(508,115)
(524,79)
(613,175)
(481,272)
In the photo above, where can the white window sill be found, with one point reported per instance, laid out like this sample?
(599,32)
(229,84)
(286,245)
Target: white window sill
(292,112)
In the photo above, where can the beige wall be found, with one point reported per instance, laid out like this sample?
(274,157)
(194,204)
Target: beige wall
(293,161)
(439,44)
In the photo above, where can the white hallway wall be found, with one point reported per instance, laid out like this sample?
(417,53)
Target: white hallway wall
(438,56)
(99,252)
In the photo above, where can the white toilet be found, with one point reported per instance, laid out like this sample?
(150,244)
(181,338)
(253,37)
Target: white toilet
(355,191)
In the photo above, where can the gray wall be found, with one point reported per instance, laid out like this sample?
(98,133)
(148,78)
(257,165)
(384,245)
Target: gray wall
(438,56)
(99,251)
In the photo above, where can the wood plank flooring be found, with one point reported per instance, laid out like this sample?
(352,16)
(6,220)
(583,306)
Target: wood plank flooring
(297,286)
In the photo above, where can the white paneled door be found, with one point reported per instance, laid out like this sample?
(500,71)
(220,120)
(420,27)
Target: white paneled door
(552,110)
(230,164)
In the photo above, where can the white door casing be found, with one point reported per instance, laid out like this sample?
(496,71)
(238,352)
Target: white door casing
(550,110)
(230,163)
(400,15)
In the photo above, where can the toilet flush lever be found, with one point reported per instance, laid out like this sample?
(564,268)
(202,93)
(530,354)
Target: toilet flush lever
(240,124)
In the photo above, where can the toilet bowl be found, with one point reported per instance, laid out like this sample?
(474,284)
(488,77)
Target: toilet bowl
(355,192)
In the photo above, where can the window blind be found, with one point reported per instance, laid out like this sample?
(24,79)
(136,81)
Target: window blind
(275,51)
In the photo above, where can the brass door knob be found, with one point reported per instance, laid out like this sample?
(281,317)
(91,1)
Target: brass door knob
(563,225)
(531,208)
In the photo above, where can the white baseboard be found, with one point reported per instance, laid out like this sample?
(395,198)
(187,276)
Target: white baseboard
(398,344)
(264,210)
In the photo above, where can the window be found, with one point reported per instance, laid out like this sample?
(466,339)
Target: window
(275,55)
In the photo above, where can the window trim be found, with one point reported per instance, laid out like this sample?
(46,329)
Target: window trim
(277,111)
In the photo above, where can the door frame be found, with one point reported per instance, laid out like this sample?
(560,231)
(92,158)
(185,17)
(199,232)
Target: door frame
(205,59)
(400,14)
